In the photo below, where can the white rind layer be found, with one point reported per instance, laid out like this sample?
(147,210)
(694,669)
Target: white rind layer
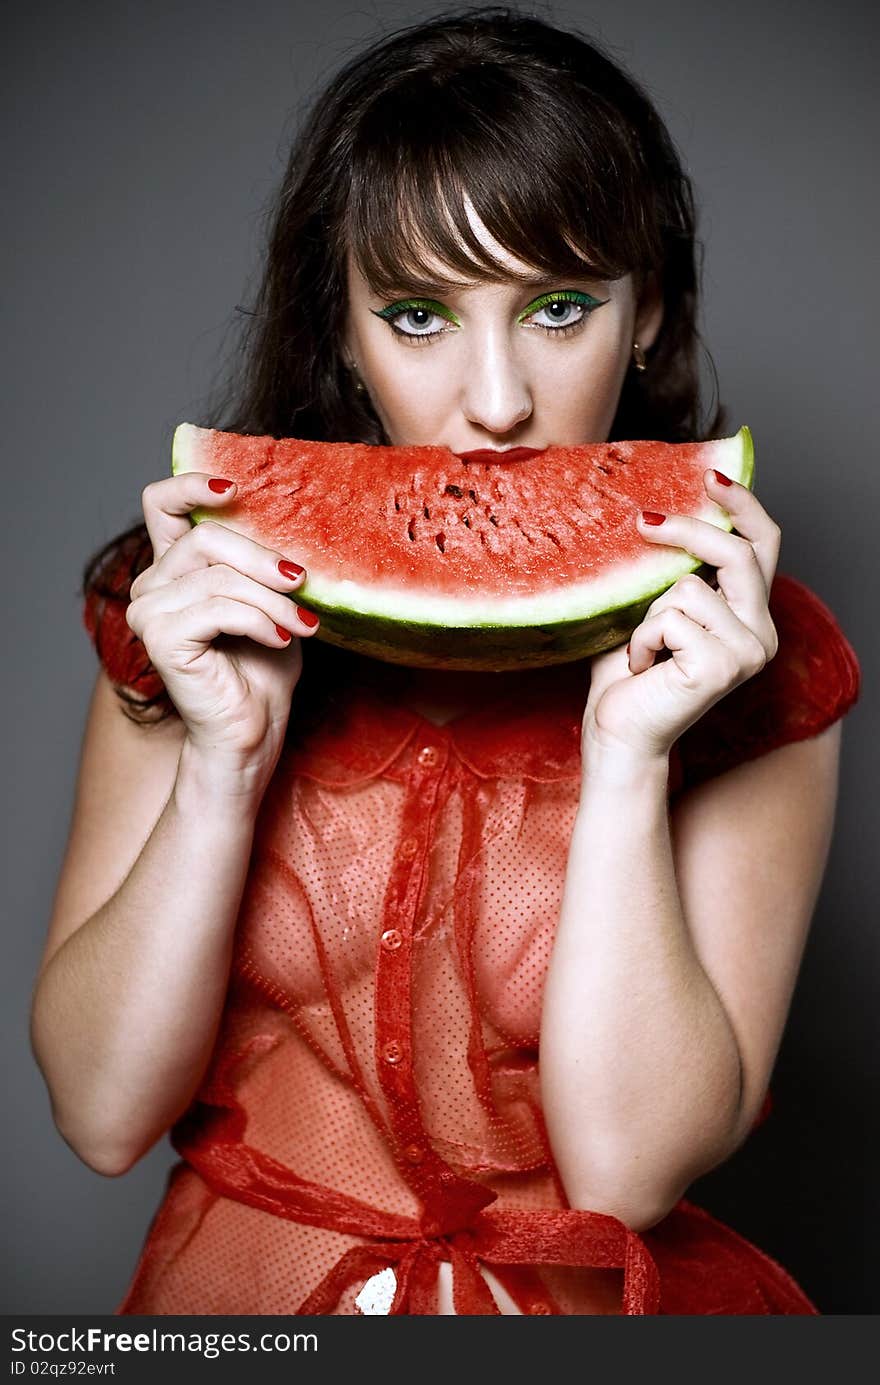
(618,586)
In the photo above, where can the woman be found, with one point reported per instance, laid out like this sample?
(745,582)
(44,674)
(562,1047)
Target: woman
(319,916)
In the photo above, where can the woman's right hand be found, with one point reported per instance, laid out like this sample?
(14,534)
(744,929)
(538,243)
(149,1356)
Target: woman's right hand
(207,583)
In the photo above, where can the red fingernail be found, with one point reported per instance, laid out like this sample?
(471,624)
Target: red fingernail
(651,517)
(290,570)
(721,478)
(284,634)
(215,484)
(307,617)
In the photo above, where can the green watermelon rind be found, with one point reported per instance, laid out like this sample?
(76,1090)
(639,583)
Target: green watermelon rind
(468,632)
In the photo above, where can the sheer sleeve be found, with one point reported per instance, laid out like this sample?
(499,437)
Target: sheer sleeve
(812,682)
(105,600)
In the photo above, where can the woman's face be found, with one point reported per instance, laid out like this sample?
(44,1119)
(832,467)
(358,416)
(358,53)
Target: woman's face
(497,365)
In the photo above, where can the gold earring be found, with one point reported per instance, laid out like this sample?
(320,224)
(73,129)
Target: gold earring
(359,386)
(639,357)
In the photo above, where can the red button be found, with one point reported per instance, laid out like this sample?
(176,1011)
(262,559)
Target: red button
(539,1308)
(414,1154)
(408,847)
(392,1052)
(391,939)
(428,756)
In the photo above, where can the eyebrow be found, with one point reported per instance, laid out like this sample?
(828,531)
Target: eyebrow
(434,288)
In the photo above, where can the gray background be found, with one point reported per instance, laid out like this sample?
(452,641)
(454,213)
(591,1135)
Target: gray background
(144,142)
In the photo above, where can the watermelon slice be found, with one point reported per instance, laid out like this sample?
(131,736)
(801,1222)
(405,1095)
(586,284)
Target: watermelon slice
(417,556)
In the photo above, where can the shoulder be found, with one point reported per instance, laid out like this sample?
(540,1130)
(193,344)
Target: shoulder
(106,593)
(813,681)
(815,677)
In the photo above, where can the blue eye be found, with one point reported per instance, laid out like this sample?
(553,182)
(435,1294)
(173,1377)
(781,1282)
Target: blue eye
(561,313)
(567,309)
(417,314)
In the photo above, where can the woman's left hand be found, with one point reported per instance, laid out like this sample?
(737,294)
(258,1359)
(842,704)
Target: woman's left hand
(717,638)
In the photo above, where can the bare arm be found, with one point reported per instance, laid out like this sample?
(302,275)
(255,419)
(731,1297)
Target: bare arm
(672,974)
(130,991)
(129,995)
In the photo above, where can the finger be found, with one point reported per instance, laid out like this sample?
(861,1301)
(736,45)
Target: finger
(170,635)
(168,503)
(751,522)
(179,635)
(201,584)
(709,609)
(739,574)
(606,668)
(211,543)
(701,658)
(750,519)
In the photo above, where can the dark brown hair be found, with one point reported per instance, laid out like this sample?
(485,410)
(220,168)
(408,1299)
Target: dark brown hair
(566,162)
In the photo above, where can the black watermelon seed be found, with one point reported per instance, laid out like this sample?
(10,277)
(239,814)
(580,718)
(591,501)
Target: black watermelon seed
(526,536)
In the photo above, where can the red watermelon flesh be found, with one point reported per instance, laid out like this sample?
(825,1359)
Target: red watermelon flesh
(418,556)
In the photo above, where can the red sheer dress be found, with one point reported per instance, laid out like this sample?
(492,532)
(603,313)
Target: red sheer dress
(372,1104)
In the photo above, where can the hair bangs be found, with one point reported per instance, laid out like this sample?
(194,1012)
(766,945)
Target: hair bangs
(560,212)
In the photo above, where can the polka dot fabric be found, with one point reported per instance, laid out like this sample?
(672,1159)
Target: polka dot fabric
(373,1097)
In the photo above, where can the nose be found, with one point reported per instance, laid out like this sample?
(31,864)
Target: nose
(495,392)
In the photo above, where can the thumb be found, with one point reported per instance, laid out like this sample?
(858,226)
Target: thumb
(606,668)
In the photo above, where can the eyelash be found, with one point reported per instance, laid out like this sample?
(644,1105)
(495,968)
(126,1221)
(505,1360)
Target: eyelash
(583,300)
